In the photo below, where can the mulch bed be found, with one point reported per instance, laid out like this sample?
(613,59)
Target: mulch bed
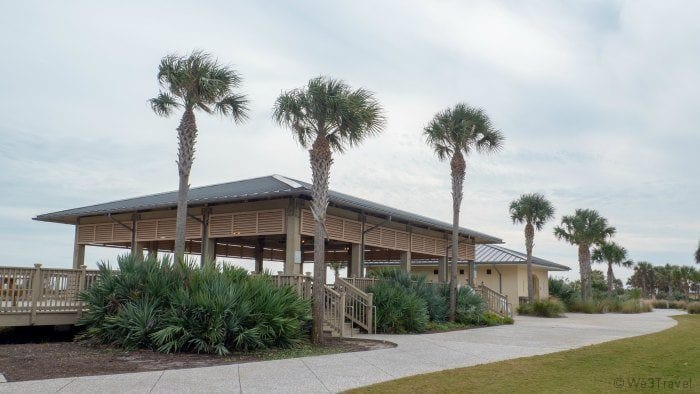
(57,356)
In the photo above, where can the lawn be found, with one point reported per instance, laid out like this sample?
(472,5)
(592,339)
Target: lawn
(667,360)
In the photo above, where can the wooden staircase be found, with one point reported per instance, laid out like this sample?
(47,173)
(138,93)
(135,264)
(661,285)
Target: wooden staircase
(495,301)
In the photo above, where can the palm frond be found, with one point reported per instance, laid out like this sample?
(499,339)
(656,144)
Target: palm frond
(163,104)
(235,106)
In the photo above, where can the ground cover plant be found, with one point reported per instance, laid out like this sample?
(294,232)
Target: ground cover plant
(408,303)
(173,307)
(670,358)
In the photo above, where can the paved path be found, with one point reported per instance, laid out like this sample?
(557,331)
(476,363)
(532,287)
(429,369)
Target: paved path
(415,354)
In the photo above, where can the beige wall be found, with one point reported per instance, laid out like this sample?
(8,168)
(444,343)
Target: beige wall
(513,278)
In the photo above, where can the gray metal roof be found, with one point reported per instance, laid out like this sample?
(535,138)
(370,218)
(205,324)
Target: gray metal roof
(268,187)
(496,254)
(489,255)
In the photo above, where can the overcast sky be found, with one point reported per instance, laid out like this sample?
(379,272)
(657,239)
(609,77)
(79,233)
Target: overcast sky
(598,102)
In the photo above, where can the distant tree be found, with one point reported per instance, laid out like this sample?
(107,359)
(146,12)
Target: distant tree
(584,229)
(533,210)
(453,134)
(644,278)
(194,82)
(611,254)
(697,254)
(326,116)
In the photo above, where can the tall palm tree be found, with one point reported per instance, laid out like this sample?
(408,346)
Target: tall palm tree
(453,134)
(534,210)
(611,254)
(194,82)
(584,228)
(326,116)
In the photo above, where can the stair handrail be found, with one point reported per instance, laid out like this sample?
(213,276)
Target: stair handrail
(334,310)
(358,304)
(495,301)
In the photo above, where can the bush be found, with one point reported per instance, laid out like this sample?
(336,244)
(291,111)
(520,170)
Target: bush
(634,306)
(399,309)
(489,318)
(169,307)
(693,307)
(542,308)
(560,289)
(470,306)
(666,304)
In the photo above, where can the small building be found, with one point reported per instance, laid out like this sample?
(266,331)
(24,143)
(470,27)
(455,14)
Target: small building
(501,269)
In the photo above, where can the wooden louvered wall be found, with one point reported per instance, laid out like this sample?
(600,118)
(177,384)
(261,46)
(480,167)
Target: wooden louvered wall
(247,223)
(146,230)
(347,230)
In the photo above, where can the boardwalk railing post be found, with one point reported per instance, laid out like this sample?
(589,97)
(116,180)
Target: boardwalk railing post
(82,277)
(37,287)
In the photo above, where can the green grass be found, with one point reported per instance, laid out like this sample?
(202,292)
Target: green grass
(671,355)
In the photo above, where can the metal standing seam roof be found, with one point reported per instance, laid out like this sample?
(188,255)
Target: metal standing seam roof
(490,255)
(268,187)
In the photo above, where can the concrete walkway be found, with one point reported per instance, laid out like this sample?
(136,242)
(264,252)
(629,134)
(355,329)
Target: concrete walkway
(415,354)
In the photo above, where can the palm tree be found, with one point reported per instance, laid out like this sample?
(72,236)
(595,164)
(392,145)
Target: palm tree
(644,278)
(326,116)
(534,210)
(194,82)
(697,254)
(612,254)
(454,133)
(585,228)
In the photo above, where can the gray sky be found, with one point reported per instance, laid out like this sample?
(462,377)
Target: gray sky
(598,102)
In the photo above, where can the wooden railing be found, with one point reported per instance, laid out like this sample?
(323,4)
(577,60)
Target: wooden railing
(495,301)
(358,304)
(362,283)
(42,295)
(334,311)
(302,284)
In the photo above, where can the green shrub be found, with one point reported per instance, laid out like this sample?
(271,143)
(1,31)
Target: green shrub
(542,308)
(177,307)
(489,318)
(470,306)
(399,309)
(561,289)
(432,293)
(693,307)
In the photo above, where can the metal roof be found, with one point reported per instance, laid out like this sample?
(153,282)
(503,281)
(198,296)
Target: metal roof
(489,255)
(268,187)
(496,254)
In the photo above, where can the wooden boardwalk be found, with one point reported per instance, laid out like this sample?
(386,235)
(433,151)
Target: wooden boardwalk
(42,296)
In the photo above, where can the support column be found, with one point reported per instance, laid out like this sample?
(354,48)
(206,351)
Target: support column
(136,247)
(78,251)
(153,250)
(354,265)
(442,270)
(406,261)
(208,252)
(259,248)
(292,260)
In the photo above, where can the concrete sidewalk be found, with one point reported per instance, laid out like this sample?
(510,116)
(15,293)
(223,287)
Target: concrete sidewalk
(415,354)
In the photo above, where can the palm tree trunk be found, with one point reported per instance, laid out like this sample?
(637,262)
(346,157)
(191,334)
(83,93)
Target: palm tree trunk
(321,160)
(610,279)
(459,169)
(584,262)
(529,241)
(186,138)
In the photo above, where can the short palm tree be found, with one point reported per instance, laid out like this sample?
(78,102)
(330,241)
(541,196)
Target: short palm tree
(453,134)
(611,254)
(534,210)
(584,228)
(326,116)
(644,277)
(194,82)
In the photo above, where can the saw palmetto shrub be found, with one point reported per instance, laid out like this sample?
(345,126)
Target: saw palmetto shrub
(174,307)
(399,309)
(543,308)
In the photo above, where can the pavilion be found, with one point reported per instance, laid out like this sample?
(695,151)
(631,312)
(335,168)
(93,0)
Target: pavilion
(268,219)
